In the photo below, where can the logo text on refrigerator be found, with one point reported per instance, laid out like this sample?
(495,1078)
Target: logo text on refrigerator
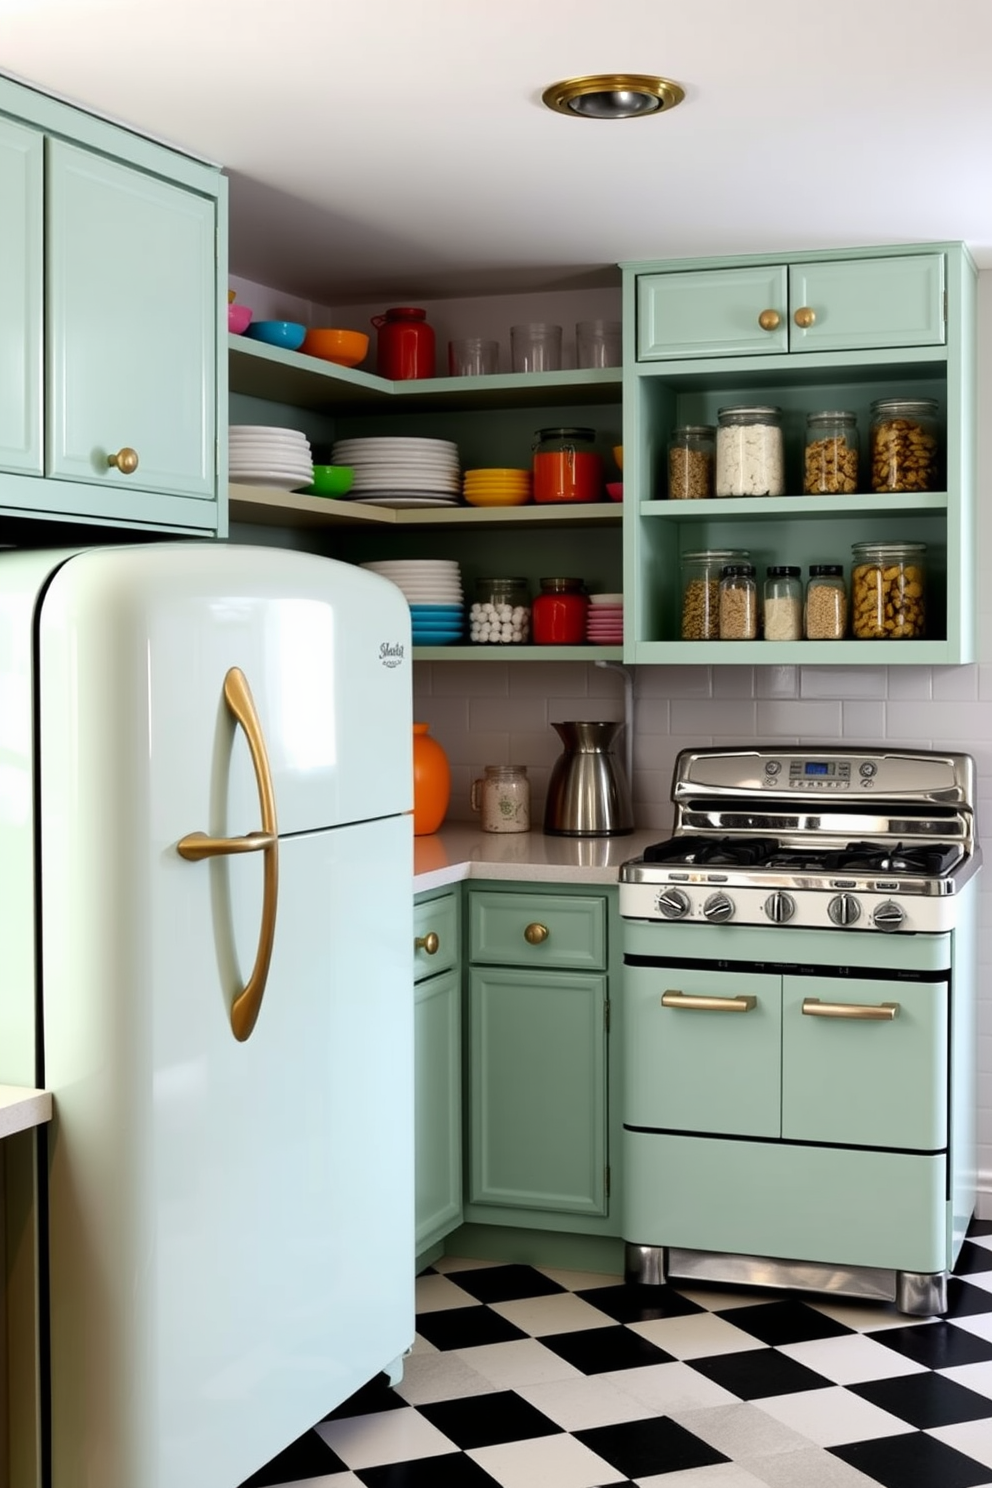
(391,655)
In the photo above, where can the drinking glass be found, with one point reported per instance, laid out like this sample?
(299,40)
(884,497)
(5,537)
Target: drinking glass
(473,357)
(598,343)
(535,347)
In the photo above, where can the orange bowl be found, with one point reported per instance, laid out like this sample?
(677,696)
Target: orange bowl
(618,455)
(346,348)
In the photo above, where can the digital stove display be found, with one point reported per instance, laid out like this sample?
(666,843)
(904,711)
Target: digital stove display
(817,767)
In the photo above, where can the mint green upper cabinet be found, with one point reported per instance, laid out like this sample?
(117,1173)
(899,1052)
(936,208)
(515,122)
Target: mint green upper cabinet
(131,328)
(713,312)
(867,303)
(21,284)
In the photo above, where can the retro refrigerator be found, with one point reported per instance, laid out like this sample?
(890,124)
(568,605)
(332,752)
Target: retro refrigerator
(206,920)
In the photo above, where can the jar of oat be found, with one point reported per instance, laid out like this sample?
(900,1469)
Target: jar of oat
(749,454)
(701,572)
(830,466)
(904,445)
(826,603)
(738,603)
(691,458)
(888,591)
(783,607)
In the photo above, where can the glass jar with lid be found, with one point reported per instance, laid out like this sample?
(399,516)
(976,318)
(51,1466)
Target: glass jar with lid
(701,570)
(888,591)
(738,603)
(500,613)
(750,458)
(783,603)
(566,466)
(830,462)
(691,461)
(904,445)
(502,798)
(826,603)
(558,614)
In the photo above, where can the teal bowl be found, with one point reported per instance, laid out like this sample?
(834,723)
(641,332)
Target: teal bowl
(285,333)
(331,480)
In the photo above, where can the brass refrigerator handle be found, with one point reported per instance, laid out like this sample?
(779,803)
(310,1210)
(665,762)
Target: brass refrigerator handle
(703,1003)
(198,845)
(881,1012)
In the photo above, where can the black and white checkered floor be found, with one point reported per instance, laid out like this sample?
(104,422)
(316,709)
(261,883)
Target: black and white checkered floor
(537,1378)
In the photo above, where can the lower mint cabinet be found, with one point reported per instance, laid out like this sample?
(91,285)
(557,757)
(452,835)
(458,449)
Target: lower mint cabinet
(437,1068)
(537,1059)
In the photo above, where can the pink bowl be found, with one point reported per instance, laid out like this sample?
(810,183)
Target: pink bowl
(238,317)
(614,489)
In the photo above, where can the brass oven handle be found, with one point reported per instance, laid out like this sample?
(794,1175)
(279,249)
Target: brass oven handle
(197,845)
(703,1003)
(536,934)
(428,943)
(881,1012)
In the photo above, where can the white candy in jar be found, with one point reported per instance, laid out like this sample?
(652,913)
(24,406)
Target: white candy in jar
(499,624)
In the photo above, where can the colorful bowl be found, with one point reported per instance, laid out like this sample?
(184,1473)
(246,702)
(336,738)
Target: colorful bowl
(331,480)
(238,317)
(614,489)
(618,455)
(346,348)
(497,495)
(285,333)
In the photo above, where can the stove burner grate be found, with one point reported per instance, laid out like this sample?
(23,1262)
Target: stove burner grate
(718,851)
(930,859)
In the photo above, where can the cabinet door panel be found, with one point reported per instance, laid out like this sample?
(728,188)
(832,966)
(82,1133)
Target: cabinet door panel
(691,1068)
(711,312)
(863,1082)
(872,302)
(437,1100)
(21,165)
(131,327)
(537,1092)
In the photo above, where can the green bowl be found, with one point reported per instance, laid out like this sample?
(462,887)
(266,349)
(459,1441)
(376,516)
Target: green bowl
(331,480)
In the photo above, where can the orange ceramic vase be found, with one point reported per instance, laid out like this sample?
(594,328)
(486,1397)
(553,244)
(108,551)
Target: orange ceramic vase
(431,782)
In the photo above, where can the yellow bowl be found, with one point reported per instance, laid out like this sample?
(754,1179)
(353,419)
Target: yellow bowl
(510,473)
(503,485)
(346,348)
(496,497)
(618,455)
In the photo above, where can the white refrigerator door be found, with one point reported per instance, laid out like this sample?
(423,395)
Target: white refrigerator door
(231,1220)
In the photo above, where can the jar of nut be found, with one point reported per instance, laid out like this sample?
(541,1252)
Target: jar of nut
(691,457)
(888,591)
(831,459)
(701,572)
(826,603)
(738,603)
(904,445)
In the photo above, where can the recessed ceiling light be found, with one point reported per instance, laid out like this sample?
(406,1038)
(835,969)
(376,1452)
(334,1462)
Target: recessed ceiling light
(613,95)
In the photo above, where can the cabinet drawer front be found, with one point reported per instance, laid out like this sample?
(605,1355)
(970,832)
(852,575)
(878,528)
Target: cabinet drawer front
(860,1081)
(694,1068)
(499,925)
(20,299)
(537,1090)
(435,917)
(711,312)
(865,303)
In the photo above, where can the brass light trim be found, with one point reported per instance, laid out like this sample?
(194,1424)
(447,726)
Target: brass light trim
(613,95)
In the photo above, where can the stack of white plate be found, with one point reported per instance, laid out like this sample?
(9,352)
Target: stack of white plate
(260,455)
(394,471)
(433,589)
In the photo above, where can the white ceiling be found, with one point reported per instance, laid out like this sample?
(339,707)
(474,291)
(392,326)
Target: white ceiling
(399,148)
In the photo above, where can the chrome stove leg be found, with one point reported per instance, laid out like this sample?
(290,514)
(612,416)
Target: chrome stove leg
(645,1265)
(922,1293)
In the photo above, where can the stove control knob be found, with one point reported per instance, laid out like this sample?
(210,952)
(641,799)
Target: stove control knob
(780,907)
(673,904)
(889,915)
(844,909)
(718,907)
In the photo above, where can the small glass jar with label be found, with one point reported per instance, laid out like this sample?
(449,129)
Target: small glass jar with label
(738,603)
(750,460)
(783,603)
(826,603)
(502,799)
(701,570)
(500,613)
(691,462)
(904,445)
(830,462)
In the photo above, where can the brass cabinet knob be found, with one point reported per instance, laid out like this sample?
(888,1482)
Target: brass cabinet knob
(804,317)
(536,934)
(125,460)
(769,320)
(428,943)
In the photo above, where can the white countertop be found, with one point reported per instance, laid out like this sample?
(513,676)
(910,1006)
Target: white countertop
(21,1107)
(459,850)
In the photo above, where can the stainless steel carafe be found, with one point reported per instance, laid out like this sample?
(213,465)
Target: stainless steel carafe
(588,794)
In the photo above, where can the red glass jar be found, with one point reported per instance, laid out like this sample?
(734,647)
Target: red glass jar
(558,614)
(405,346)
(567,466)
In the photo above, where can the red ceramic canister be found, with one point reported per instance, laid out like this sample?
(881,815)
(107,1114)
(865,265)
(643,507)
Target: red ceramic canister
(566,466)
(558,614)
(405,347)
